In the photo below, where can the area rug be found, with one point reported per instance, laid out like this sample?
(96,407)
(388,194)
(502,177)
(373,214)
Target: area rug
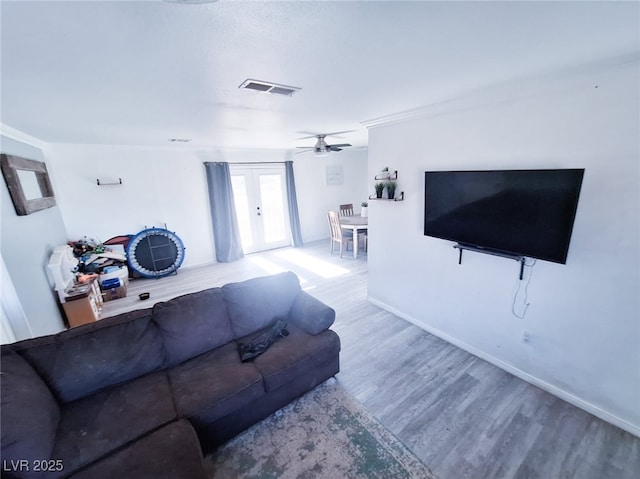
(324,434)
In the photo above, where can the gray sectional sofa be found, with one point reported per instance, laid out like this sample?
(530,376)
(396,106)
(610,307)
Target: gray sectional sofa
(144,394)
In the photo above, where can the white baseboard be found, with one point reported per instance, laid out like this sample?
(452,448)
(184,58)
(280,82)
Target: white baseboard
(550,388)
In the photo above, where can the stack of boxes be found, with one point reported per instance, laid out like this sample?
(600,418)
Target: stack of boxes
(113,282)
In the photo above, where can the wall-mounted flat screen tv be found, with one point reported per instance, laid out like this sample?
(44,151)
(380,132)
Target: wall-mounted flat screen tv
(517,212)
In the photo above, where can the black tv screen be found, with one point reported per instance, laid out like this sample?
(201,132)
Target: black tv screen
(518,212)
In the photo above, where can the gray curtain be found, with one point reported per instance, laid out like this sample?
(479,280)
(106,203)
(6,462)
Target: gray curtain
(226,234)
(294,218)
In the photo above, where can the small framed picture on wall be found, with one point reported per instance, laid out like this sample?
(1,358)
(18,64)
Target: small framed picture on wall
(335,175)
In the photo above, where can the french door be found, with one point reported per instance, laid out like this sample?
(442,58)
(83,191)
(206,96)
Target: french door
(260,196)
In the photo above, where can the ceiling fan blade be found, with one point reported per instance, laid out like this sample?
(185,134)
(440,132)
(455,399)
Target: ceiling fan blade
(338,132)
(311,135)
(340,145)
(306,150)
(316,135)
(306,147)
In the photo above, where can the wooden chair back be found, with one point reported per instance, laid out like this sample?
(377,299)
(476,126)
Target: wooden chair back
(346,210)
(334,225)
(337,234)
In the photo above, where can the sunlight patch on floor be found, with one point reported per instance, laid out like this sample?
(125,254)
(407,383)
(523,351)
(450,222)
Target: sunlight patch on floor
(315,265)
(270,267)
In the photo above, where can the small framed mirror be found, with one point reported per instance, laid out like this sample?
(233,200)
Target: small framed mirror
(28,183)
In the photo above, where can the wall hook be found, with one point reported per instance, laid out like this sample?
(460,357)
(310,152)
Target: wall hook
(119,182)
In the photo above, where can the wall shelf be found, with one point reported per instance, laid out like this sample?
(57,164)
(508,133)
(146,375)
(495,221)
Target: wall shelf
(113,183)
(397,198)
(392,177)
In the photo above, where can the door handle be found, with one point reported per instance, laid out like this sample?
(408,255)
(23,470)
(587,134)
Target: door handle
(259,213)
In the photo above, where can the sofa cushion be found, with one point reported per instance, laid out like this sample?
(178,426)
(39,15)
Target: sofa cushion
(30,414)
(78,363)
(172,452)
(120,318)
(296,355)
(254,304)
(97,425)
(311,314)
(214,384)
(193,324)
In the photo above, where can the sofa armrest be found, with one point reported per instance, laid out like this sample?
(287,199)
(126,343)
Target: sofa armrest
(311,314)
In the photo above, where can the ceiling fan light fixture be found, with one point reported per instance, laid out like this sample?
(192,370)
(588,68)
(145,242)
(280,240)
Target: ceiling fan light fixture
(322,148)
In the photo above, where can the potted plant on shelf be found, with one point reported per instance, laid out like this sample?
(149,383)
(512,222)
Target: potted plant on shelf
(384,174)
(379,187)
(364,212)
(391,189)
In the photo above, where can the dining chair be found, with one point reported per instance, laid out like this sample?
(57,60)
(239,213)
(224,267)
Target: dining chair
(338,235)
(346,210)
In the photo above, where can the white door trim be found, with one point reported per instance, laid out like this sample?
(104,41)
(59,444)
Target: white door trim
(15,326)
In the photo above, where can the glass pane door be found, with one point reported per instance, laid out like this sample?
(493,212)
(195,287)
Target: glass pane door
(242,201)
(261,207)
(273,207)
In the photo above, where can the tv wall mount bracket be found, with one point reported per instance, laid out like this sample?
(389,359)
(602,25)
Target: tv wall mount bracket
(478,249)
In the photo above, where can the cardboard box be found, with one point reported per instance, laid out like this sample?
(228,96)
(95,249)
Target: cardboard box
(114,293)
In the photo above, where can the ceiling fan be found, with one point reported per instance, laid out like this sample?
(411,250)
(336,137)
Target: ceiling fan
(322,148)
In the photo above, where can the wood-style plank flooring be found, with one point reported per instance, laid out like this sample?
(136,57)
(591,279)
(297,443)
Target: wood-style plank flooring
(463,417)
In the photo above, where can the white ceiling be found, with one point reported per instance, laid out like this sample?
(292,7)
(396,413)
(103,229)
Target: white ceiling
(139,73)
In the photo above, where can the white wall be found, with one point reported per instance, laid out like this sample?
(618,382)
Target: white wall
(584,317)
(169,186)
(159,186)
(27,243)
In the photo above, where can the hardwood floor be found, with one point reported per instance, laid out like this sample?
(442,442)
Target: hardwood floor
(462,416)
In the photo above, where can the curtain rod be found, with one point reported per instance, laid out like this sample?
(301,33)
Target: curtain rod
(240,163)
(258,162)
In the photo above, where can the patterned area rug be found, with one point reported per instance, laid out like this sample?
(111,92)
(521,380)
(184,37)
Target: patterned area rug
(324,434)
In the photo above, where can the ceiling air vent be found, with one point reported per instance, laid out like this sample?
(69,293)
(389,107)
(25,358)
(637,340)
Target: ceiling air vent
(268,87)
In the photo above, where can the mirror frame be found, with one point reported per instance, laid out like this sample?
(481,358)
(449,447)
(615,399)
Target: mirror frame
(10,166)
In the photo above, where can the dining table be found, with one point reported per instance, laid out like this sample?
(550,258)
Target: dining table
(355,223)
